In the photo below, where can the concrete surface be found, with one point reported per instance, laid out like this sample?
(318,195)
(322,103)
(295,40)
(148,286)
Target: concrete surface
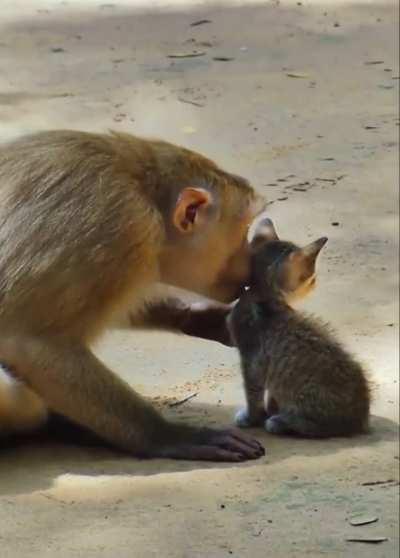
(337,122)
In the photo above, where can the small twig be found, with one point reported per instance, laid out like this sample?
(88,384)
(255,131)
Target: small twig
(374,483)
(223,58)
(368,540)
(186,54)
(190,102)
(182,401)
(200,22)
(53,498)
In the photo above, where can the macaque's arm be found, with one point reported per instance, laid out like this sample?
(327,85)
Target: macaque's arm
(198,319)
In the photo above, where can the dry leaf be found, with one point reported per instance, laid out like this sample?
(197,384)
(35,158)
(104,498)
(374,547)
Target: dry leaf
(376,482)
(200,22)
(362,519)
(188,130)
(189,102)
(182,401)
(193,54)
(370,540)
(297,75)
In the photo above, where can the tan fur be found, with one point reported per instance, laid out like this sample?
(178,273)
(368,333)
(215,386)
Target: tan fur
(21,410)
(86,229)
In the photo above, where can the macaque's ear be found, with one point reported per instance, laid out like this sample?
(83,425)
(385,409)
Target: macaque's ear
(192,210)
(263,231)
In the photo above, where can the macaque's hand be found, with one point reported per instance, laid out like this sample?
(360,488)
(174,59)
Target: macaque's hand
(207,444)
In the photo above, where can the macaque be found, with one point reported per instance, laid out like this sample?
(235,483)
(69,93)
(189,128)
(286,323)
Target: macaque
(89,223)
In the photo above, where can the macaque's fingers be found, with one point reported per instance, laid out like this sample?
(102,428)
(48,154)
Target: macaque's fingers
(202,453)
(212,445)
(234,441)
(233,444)
(252,442)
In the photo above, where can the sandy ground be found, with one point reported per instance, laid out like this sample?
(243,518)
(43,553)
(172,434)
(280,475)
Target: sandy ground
(323,148)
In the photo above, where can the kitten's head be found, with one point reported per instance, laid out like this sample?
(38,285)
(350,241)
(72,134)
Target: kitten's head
(279,266)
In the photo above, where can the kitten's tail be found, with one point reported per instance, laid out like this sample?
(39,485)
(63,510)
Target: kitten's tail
(314,428)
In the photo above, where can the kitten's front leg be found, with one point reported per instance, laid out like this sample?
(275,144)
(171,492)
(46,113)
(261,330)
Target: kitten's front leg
(272,407)
(254,413)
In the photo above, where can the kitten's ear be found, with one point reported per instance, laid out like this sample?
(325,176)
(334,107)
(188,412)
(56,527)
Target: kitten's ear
(264,231)
(312,250)
(302,261)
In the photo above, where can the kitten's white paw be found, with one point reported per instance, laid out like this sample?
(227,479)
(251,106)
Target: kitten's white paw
(275,425)
(242,418)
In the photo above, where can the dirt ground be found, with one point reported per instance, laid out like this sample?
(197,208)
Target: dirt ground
(305,107)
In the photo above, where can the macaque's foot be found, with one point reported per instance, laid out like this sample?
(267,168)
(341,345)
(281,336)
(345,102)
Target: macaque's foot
(243,419)
(215,445)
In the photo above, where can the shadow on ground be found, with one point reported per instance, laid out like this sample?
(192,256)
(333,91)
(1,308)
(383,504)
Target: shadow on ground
(31,463)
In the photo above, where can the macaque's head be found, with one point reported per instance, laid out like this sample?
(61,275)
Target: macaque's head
(207,249)
(282,266)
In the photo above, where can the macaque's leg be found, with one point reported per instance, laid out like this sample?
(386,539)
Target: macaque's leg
(74,383)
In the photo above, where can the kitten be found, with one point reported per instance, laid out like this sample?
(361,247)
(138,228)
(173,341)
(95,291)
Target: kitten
(315,388)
